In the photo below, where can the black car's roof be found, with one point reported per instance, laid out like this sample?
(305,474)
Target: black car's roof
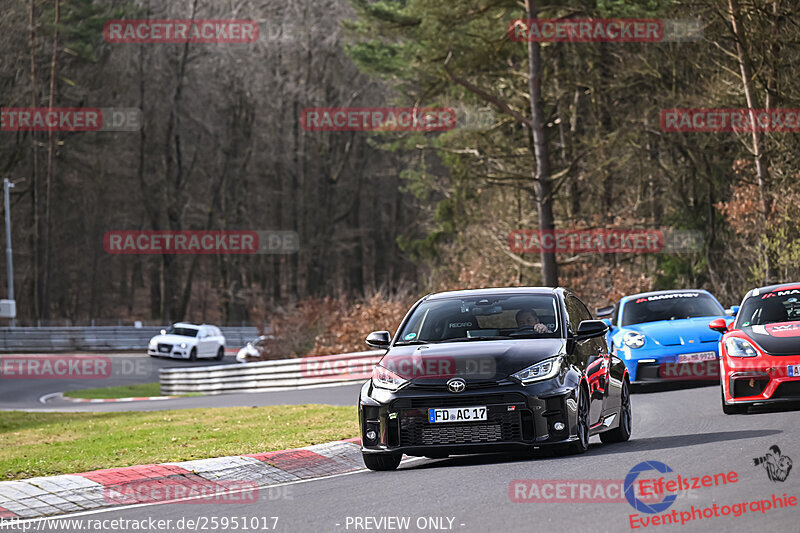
(471,293)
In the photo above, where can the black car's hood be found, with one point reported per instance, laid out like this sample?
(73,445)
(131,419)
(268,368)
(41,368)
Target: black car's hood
(471,360)
(777,339)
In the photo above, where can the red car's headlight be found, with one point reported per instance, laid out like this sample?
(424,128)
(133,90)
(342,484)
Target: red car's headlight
(737,347)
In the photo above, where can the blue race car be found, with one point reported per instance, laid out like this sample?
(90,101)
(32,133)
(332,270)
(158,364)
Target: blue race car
(664,335)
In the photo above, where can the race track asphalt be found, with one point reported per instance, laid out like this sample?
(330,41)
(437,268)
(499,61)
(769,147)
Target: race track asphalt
(128,369)
(684,429)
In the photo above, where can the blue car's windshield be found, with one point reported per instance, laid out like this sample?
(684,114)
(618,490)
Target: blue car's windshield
(490,317)
(671,306)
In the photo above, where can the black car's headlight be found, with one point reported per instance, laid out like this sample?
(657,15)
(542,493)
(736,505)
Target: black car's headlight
(737,347)
(542,370)
(384,378)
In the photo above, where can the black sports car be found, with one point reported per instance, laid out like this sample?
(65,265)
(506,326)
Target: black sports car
(492,370)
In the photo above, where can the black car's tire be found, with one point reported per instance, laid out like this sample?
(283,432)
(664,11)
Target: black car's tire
(729,409)
(220,354)
(582,444)
(193,355)
(381,461)
(622,432)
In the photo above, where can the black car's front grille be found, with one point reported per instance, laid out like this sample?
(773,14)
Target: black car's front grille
(460,435)
(417,431)
(788,389)
(458,400)
(473,385)
(166,348)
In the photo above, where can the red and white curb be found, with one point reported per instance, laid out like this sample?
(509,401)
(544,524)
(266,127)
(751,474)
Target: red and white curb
(56,495)
(60,396)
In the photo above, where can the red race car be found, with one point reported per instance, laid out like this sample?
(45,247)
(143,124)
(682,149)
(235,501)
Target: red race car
(760,351)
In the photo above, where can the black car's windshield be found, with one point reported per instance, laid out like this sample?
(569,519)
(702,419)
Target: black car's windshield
(482,318)
(769,308)
(183,332)
(671,306)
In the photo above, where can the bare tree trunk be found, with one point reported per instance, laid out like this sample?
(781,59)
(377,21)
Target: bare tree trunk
(35,244)
(762,172)
(543,182)
(51,163)
(170,300)
(152,202)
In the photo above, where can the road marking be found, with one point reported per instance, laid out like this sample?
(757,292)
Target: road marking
(43,399)
(179,500)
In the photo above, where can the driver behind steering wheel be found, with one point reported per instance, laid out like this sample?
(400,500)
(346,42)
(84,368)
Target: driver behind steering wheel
(529,318)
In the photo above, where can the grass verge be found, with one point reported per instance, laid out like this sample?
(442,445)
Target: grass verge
(123,391)
(43,444)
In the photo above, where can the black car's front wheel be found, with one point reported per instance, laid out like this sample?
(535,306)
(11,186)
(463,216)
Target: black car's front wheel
(623,431)
(582,426)
(381,461)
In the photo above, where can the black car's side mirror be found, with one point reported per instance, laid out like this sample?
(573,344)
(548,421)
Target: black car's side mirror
(379,339)
(591,328)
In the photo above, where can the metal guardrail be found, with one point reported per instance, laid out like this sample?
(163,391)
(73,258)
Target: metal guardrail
(66,339)
(270,375)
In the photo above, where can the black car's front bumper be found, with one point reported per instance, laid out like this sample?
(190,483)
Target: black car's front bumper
(519,418)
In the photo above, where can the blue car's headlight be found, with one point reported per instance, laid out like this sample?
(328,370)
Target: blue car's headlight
(737,347)
(633,339)
(542,370)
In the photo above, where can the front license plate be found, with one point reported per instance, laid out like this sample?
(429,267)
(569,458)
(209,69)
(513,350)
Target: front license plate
(458,414)
(794,371)
(696,357)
